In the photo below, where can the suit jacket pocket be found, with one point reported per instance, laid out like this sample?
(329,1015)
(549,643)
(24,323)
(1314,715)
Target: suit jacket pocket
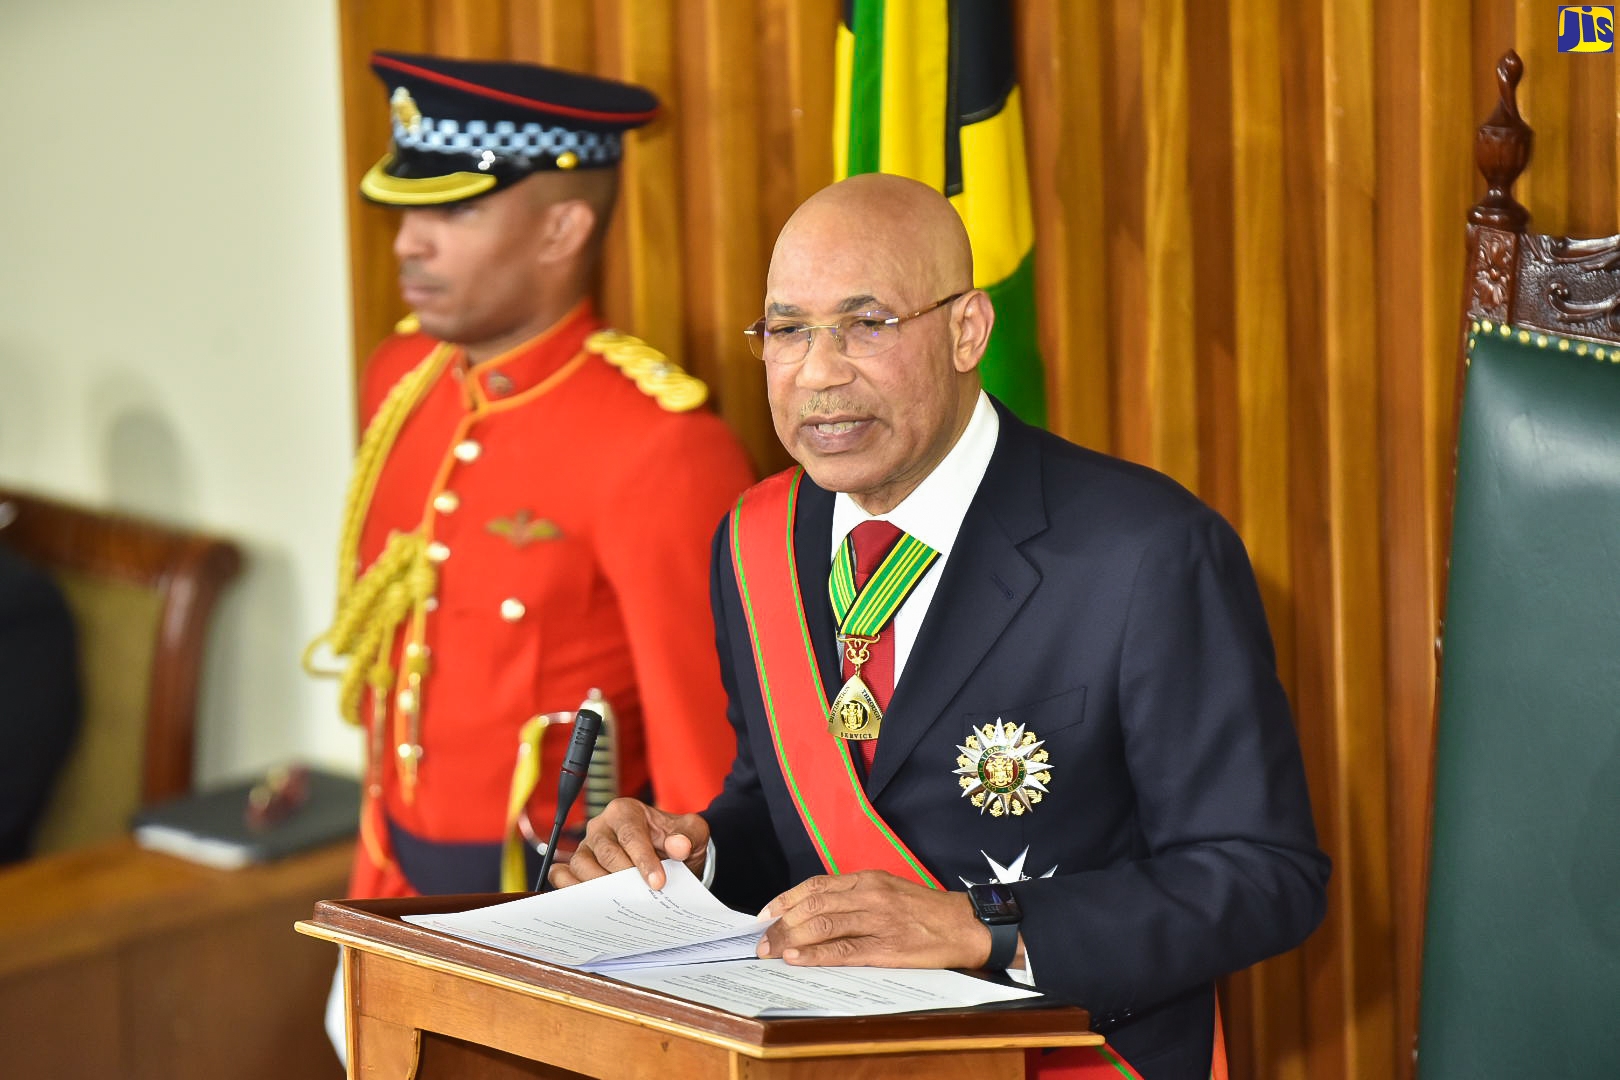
(1044,716)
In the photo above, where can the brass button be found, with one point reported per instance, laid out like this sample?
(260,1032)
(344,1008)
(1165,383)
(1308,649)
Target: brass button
(467,450)
(512,609)
(446,502)
(437,552)
(431,603)
(406,701)
(499,384)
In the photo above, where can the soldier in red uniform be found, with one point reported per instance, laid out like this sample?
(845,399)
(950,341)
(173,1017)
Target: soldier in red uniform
(534,495)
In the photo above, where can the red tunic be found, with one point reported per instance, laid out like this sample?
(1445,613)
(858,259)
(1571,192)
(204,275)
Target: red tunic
(575,516)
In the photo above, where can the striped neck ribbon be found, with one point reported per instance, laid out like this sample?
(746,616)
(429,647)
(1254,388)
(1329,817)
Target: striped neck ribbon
(864,613)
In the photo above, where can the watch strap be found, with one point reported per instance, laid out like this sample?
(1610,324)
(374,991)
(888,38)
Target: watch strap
(1003,945)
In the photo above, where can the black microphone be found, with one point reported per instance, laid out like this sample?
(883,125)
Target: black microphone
(587,724)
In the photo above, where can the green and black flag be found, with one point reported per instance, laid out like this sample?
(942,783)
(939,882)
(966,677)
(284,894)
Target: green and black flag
(928,89)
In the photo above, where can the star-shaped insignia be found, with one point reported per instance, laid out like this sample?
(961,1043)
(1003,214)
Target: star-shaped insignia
(523,528)
(1003,768)
(1006,875)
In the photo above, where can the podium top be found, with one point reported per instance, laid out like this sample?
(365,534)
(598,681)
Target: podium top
(376,926)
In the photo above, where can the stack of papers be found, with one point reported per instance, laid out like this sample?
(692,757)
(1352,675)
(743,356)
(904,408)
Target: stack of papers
(681,941)
(612,923)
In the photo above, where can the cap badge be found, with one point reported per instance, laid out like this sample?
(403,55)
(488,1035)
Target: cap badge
(404,109)
(1003,767)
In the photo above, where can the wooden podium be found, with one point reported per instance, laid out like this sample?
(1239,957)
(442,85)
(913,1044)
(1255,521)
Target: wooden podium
(425,1005)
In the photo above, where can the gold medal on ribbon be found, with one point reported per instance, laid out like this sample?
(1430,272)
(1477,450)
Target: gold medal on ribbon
(861,616)
(854,714)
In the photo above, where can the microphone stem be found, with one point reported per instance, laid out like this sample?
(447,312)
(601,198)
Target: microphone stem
(541,884)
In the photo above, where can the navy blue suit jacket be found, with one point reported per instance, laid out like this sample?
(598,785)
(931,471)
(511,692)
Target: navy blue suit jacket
(1113,613)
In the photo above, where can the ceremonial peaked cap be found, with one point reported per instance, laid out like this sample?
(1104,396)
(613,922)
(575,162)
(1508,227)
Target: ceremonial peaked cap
(464,128)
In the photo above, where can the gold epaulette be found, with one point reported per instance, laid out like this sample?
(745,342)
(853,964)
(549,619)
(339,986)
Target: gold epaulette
(652,372)
(410,324)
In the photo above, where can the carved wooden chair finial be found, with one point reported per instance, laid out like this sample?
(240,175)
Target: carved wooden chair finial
(1502,150)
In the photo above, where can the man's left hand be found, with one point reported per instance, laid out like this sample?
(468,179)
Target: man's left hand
(873,918)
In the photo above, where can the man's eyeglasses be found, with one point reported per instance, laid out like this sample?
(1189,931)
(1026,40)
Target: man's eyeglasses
(857,336)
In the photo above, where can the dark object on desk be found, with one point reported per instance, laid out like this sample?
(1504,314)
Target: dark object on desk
(39,685)
(288,810)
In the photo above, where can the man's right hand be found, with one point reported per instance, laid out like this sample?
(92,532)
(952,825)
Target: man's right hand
(631,833)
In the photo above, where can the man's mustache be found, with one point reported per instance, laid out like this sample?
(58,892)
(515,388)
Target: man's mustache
(411,273)
(831,405)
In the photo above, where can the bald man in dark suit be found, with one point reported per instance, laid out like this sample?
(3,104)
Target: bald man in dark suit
(1060,658)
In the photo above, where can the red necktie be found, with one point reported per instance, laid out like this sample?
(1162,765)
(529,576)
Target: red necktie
(872,540)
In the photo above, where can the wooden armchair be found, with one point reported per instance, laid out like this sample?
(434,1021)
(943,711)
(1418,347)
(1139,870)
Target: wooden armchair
(141,596)
(1521,960)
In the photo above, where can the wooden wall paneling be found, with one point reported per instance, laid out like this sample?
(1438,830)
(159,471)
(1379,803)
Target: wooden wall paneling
(1208,180)
(793,66)
(791,57)
(546,32)
(1060,73)
(725,254)
(1444,192)
(1300,307)
(1266,1017)
(1401,365)
(1124,152)
(644,291)
(1592,178)
(470,28)
(1167,364)
(1349,347)
(363,27)
(1544,101)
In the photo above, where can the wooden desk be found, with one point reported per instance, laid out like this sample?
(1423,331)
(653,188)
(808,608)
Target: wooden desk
(424,1006)
(122,963)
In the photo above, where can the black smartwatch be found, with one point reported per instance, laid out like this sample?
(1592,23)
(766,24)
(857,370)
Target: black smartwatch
(997,907)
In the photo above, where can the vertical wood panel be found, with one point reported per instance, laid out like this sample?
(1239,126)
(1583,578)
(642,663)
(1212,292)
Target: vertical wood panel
(1269,1028)
(1124,153)
(1544,101)
(1209,180)
(724,254)
(1170,391)
(643,280)
(1400,369)
(1250,223)
(470,28)
(1445,189)
(1060,72)
(1349,351)
(1591,161)
(364,27)
(546,32)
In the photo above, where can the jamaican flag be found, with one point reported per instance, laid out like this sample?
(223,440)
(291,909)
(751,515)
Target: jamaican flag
(927,89)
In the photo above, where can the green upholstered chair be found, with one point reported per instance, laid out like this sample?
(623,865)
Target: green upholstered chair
(1521,959)
(141,597)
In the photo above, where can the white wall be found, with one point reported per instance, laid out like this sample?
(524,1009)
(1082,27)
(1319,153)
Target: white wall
(174,313)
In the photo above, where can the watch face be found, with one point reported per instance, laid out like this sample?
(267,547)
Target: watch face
(995,903)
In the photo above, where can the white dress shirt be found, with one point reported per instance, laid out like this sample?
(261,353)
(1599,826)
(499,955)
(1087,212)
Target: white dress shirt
(933,513)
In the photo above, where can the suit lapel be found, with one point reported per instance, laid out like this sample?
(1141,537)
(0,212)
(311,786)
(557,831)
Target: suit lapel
(986,581)
(812,551)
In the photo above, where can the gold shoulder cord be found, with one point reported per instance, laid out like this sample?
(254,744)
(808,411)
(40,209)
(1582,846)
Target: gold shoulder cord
(653,373)
(371,606)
